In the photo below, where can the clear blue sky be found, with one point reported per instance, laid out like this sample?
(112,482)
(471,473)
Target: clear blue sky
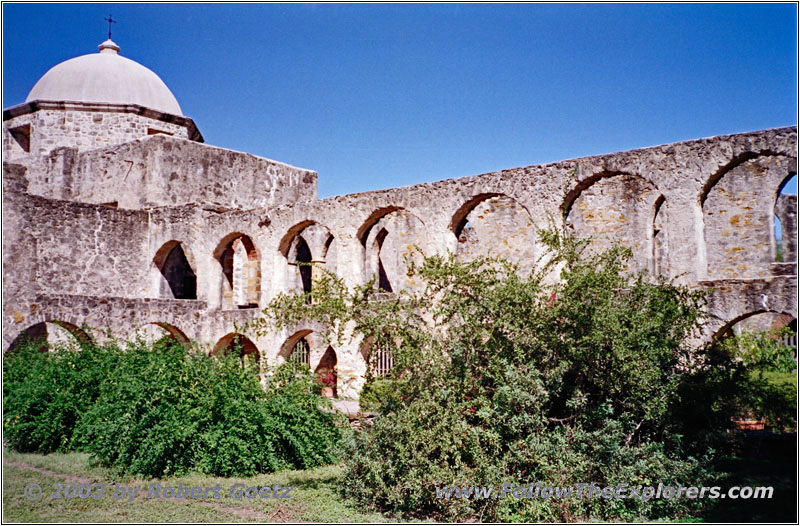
(376,96)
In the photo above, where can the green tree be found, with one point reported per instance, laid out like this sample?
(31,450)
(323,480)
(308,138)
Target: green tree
(577,372)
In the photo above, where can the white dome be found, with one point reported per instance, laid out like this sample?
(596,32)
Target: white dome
(105,77)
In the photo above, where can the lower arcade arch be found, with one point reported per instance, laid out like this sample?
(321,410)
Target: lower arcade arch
(49,334)
(235,342)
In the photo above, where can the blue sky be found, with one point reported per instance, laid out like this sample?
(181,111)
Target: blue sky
(377,96)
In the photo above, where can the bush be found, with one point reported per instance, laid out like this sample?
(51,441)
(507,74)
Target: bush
(503,378)
(158,410)
(45,393)
(375,393)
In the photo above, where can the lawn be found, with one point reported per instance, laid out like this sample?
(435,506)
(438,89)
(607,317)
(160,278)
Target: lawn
(315,495)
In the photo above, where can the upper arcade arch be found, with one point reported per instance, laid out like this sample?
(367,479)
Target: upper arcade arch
(240,261)
(177,277)
(738,211)
(620,208)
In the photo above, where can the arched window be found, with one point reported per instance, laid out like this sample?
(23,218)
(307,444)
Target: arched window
(381,362)
(241,270)
(179,280)
(304,264)
(301,352)
(235,342)
(383,280)
(326,372)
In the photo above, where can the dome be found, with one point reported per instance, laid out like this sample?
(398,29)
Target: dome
(105,77)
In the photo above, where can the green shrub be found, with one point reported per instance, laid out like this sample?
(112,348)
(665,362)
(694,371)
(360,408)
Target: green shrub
(45,393)
(502,378)
(771,390)
(158,410)
(375,393)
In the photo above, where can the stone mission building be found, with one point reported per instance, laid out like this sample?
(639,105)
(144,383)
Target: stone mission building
(118,220)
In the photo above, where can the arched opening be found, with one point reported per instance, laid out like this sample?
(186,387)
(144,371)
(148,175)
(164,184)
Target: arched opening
(379,361)
(739,209)
(240,344)
(50,334)
(180,281)
(241,271)
(618,209)
(365,229)
(162,331)
(326,373)
(300,352)
(383,280)
(492,224)
(778,242)
(390,241)
(659,256)
(785,221)
(308,247)
(304,264)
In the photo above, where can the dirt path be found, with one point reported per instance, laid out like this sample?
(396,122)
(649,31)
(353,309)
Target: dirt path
(279,515)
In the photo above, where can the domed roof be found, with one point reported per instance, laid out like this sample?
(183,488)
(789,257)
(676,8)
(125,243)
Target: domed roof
(105,77)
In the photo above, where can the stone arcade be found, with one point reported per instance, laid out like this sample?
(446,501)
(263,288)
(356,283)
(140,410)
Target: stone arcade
(117,217)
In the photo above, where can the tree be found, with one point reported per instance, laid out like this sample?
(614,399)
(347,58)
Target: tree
(573,373)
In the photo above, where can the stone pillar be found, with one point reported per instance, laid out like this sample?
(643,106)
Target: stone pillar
(786,210)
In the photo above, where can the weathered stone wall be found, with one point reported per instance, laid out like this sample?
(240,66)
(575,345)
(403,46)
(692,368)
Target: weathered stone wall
(656,199)
(84,130)
(165,171)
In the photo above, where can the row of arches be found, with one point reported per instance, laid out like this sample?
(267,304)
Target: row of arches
(737,237)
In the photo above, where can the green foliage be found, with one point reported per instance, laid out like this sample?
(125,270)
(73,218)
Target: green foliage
(771,390)
(45,393)
(376,393)
(504,378)
(763,351)
(158,410)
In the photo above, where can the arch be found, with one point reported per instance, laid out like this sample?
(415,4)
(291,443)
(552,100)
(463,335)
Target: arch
(174,332)
(575,192)
(286,241)
(234,340)
(363,231)
(727,167)
(288,346)
(495,224)
(727,328)
(390,241)
(307,247)
(785,221)
(172,261)
(459,219)
(326,368)
(303,261)
(777,234)
(241,270)
(617,208)
(738,217)
(379,362)
(659,240)
(47,333)
(300,352)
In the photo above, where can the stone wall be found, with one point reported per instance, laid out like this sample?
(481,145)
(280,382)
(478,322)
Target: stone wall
(84,130)
(674,204)
(166,171)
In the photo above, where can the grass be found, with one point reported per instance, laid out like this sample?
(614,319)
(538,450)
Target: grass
(315,496)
